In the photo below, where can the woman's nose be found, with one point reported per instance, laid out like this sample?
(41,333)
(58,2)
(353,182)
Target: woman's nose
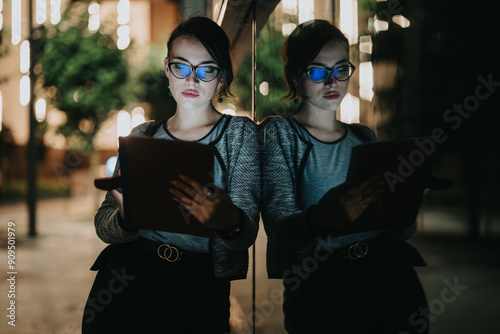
(192,77)
(330,80)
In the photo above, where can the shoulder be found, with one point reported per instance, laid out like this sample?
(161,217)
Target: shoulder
(241,124)
(278,121)
(140,129)
(362,131)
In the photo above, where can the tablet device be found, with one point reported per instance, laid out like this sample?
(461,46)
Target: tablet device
(148,165)
(405,166)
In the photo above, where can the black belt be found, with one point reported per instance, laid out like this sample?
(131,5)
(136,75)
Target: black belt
(358,250)
(170,253)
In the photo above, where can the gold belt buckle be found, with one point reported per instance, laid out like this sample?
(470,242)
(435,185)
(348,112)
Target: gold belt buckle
(357,250)
(169,253)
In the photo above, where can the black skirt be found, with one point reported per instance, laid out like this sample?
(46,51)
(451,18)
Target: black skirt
(137,290)
(353,292)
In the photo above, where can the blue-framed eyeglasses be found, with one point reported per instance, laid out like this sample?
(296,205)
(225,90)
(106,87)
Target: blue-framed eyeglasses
(340,73)
(205,73)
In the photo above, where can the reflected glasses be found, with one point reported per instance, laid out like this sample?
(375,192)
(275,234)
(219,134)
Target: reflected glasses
(204,73)
(340,73)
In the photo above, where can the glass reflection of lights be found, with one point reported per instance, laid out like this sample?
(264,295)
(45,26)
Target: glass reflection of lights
(349,19)
(264,88)
(365,44)
(349,109)
(380,25)
(401,21)
(366,80)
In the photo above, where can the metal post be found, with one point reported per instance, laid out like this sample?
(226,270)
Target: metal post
(31,154)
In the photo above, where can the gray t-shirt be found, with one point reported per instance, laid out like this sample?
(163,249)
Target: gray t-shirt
(326,167)
(184,241)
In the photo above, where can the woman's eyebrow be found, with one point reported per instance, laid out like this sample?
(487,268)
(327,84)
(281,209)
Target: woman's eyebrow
(203,62)
(324,65)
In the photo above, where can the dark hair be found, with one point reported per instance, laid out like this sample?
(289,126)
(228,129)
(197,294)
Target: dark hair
(214,39)
(302,46)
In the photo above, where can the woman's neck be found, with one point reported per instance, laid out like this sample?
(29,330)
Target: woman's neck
(321,123)
(192,124)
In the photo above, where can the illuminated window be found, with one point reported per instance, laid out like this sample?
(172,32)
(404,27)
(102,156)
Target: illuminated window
(290,7)
(1,110)
(1,20)
(138,116)
(16,22)
(122,124)
(41,11)
(55,11)
(306,10)
(123,31)
(40,110)
(24,90)
(24,55)
(94,17)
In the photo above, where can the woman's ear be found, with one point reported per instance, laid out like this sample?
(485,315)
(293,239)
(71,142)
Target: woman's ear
(165,61)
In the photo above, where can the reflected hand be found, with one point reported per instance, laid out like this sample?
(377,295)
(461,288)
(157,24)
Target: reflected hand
(341,206)
(210,205)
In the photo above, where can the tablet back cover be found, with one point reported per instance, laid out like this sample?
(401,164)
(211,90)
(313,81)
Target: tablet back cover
(148,165)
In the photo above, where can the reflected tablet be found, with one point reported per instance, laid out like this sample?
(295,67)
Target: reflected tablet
(405,166)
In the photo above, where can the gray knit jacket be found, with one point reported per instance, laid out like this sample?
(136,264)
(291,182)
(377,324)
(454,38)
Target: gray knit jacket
(237,150)
(283,157)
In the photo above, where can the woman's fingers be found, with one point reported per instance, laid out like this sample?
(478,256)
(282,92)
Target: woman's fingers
(193,184)
(119,201)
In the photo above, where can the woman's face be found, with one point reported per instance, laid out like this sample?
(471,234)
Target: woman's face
(191,92)
(326,95)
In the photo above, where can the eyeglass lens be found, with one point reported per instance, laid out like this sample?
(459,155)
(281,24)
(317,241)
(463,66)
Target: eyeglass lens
(321,74)
(204,73)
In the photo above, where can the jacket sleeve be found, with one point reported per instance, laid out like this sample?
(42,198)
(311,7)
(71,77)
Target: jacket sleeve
(107,221)
(243,177)
(285,224)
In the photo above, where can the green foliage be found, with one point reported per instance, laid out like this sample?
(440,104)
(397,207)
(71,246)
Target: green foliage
(150,85)
(85,74)
(269,69)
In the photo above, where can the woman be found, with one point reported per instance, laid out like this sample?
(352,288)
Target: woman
(135,289)
(335,281)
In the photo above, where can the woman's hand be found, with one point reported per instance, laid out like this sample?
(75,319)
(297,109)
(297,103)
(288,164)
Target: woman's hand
(119,200)
(210,205)
(341,206)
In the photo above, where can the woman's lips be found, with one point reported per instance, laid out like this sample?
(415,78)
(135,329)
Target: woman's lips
(332,95)
(190,93)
